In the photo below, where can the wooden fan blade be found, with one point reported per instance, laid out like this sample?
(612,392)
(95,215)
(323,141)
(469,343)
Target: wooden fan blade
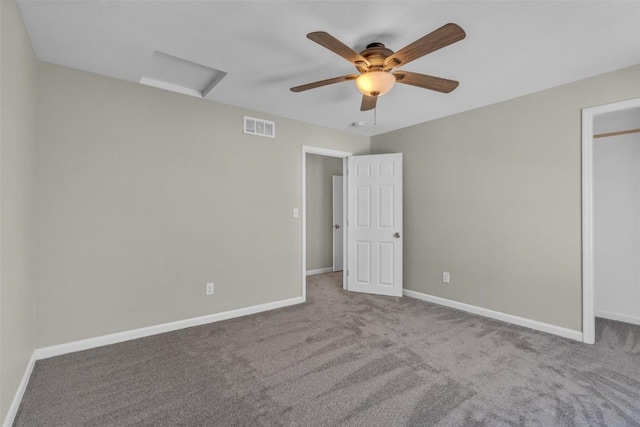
(443,36)
(336,46)
(368,103)
(427,82)
(324,83)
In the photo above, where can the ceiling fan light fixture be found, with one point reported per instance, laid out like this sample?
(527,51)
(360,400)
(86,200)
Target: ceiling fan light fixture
(375,83)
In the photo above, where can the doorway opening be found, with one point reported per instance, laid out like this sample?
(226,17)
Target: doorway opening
(592,121)
(321,152)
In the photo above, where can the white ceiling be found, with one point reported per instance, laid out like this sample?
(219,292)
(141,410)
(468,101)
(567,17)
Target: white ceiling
(511,49)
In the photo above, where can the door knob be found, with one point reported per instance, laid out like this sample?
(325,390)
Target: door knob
(397,235)
(336,226)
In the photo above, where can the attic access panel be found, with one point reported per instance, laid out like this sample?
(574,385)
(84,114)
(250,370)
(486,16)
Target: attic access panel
(179,75)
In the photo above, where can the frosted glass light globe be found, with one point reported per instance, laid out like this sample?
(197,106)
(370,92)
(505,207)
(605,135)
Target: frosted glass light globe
(375,83)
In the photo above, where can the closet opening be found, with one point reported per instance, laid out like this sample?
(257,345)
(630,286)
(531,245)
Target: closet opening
(611,216)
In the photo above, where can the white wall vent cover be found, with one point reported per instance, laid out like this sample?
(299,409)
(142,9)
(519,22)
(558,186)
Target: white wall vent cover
(182,76)
(259,127)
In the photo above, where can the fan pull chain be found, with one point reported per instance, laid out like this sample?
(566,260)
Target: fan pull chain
(375,115)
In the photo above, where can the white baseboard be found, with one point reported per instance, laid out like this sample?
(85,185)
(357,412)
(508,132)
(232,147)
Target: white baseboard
(520,321)
(634,320)
(17,397)
(319,271)
(57,350)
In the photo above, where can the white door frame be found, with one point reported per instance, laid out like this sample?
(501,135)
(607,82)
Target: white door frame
(307,149)
(588,309)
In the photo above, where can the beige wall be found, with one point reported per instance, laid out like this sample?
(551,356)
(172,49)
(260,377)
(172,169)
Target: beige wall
(320,171)
(493,197)
(146,195)
(18,158)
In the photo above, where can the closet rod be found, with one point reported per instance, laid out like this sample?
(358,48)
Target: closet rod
(620,132)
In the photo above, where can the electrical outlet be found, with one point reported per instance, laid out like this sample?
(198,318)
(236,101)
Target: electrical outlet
(445,277)
(209,289)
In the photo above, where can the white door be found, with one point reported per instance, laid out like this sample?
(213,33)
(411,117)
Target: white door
(338,241)
(374,224)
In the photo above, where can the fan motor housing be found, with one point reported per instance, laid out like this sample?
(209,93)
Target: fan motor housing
(376,53)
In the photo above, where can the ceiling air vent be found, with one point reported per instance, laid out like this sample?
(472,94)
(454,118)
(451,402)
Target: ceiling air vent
(259,127)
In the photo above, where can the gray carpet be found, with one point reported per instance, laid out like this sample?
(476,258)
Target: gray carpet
(345,359)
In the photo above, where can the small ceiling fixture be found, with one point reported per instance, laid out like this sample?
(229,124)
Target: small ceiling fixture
(376,62)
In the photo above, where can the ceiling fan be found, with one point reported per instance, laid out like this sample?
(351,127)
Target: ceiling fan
(376,61)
